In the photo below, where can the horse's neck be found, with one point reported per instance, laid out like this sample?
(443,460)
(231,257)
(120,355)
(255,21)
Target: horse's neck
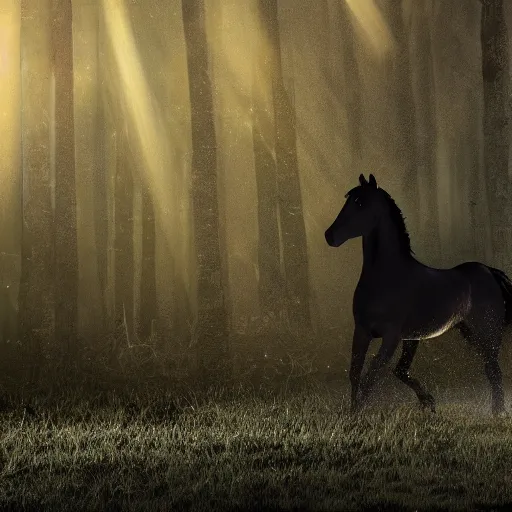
(382,246)
(370,245)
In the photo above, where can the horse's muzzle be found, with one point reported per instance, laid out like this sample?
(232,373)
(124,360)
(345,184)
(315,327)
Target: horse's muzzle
(329,238)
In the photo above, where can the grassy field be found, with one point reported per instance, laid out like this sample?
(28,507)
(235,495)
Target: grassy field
(244,449)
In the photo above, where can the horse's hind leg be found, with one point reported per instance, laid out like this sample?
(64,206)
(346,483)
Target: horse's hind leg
(488,346)
(402,372)
(493,372)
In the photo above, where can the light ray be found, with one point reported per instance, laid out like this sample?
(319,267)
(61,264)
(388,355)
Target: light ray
(139,105)
(10,125)
(371,21)
(236,38)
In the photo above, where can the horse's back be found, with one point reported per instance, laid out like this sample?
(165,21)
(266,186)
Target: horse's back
(480,278)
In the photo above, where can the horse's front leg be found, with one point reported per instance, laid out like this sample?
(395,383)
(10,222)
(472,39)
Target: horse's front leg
(389,344)
(360,343)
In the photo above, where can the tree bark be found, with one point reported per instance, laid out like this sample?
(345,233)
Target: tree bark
(420,51)
(218,72)
(90,174)
(495,72)
(398,76)
(36,295)
(66,252)
(271,286)
(148,271)
(111,141)
(101,178)
(10,175)
(346,79)
(291,216)
(123,244)
(213,352)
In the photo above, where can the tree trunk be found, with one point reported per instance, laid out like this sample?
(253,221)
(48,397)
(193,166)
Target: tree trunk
(66,252)
(10,175)
(37,263)
(123,244)
(346,79)
(90,174)
(101,179)
(217,24)
(495,72)
(148,275)
(291,218)
(113,135)
(401,106)
(211,322)
(271,287)
(420,51)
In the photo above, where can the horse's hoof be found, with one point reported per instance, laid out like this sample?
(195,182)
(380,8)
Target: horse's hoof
(429,403)
(428,408)
(355,409)
(501,413)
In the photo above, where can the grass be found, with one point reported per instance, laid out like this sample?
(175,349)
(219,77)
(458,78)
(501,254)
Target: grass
(247,449)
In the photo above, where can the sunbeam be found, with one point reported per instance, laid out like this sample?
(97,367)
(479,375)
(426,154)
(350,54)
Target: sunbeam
(9,97)
(138,103)
(371,21)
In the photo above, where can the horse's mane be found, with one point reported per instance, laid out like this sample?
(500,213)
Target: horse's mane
(397,218)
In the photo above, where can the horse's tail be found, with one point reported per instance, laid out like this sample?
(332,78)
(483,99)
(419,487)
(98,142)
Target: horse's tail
(506,289)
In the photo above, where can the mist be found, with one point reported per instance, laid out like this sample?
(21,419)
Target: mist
(176,325)
(169,169)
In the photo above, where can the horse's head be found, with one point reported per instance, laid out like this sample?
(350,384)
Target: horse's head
(362,209)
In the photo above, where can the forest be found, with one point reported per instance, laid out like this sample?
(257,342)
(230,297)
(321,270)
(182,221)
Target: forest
(169,169)
(175,330)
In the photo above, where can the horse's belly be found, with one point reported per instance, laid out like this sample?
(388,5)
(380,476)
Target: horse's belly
(414,327)
(427,333)
(436,311)
(425,305)
(420,330)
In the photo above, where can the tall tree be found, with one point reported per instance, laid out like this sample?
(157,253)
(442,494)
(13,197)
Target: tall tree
(37,279)
(90,173)
(111,140)
(217,28)
(213,352)
(111,146)
(291,217)
(10,165)
(144,243)
(123,242)
(148,272)
(101,174)
(495,72)
(401,110)
(420,50)
(66,251)
(345,80)
(271,283)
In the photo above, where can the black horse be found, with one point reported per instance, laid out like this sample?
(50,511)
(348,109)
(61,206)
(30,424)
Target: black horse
(398,298)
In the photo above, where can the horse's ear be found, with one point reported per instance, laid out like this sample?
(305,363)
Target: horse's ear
(373,181)
(362,180)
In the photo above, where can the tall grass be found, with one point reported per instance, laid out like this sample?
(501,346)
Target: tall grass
(244,448)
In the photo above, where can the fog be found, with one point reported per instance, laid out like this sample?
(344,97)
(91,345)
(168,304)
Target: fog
(168,170)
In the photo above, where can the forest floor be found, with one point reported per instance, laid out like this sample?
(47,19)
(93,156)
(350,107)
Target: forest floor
(247,449)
